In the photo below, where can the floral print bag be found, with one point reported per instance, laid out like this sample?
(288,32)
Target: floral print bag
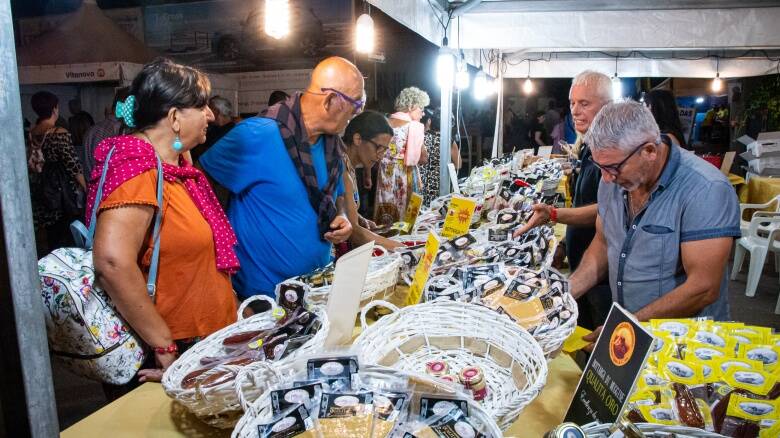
(85,331)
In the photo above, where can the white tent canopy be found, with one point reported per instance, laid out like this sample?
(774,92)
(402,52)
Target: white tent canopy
(677,38)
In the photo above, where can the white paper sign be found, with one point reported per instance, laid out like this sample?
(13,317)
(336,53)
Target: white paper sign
(453,178)
(349,278)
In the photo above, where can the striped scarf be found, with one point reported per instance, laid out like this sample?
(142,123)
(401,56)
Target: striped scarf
(287,115)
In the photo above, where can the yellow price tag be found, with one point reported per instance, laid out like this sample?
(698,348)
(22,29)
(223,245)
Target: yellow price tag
(458,217)
(575,342)
(413,209)
(423,269)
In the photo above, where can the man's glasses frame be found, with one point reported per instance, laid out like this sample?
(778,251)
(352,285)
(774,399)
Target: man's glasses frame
(614,169)
(357,105)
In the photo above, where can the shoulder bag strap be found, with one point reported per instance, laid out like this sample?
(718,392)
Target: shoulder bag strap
(90,235)
(151,285)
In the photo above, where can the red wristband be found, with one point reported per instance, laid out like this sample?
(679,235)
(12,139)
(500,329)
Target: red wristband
(554,215)
(173,348)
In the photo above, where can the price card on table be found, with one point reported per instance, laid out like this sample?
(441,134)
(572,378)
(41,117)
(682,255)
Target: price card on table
(458,217)
(423,269)
(612,370)
(413,209)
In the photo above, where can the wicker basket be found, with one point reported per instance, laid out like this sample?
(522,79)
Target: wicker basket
(463,335)
(551,341)
(259,411)
(383,272)
(595,430)
(218,405)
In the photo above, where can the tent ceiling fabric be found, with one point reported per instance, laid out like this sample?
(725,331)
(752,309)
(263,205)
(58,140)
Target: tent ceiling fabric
(704,28)
(82,38)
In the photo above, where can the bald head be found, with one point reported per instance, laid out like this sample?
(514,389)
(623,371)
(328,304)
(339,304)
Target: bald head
(329,102)
(337,73)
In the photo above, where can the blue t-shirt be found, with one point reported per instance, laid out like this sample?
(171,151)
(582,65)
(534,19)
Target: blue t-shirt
(269,208)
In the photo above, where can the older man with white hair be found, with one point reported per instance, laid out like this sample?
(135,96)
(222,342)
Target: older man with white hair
(665,225)
(589,92)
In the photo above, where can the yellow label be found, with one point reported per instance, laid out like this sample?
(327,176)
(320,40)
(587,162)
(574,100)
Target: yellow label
(403,227)
(458,217)
(413,209)
(772,432)
(725,363)
(677,328)
(766,354)
(706,412)
(695,350)
(575,342)
(753,380)
(746,337)
(681,371)
(747,408)
(653,380)
(643,397)
(423,269)
(763,334)
(659,414)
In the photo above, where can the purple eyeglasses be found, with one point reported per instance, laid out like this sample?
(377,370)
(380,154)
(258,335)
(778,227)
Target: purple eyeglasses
(357,105)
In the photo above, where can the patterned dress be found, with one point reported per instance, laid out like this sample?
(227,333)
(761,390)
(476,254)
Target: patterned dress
(56,147)
(430,171)
(395,180)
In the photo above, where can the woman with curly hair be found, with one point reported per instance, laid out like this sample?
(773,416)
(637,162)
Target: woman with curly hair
(397,175)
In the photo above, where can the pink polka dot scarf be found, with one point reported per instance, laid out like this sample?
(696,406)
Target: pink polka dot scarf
(133,156)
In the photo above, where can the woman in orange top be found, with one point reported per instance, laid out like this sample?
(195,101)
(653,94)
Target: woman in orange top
(168,113)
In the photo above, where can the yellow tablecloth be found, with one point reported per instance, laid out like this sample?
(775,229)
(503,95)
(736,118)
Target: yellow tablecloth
(148,412)
(759,190)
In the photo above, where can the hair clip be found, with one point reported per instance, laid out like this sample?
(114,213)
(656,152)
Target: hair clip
(124,110)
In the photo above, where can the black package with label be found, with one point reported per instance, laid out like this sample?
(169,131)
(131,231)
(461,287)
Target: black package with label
(332,369)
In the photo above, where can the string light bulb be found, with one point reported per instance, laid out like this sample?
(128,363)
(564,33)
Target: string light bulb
(617,87)
(717,83)
(481,85)
(277,18)
(364,34)
(445,66)
(528,85)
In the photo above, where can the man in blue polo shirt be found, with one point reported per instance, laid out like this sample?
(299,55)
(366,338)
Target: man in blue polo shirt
(283,170)
(666,221)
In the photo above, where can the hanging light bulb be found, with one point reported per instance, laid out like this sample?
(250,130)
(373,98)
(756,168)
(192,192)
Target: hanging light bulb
(481,86)
(445,66)
(717,84)
(617,87)
(277,18)
(364,34)
(528,86)
(462,76)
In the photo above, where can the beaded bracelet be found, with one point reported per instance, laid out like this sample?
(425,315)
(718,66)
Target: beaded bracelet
(173,348)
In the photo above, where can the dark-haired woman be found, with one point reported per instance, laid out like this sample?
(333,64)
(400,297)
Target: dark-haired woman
(367,137)
(57,180)
(664,108)
(430,171)
(167,113)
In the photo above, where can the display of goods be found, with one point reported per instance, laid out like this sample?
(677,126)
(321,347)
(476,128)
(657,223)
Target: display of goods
(341,396)
(463,335)
(203,378)
(650,430)
(381,279)
(718,377)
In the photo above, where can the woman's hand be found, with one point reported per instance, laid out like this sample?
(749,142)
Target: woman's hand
(163,361)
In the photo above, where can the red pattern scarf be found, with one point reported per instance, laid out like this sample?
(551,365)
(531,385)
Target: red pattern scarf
(132,157)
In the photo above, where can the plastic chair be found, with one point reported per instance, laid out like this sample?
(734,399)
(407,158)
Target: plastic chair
(758,246)
(743,224)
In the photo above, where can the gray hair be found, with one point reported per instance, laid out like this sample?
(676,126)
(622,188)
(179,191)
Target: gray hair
(411,97)
(601,83)
(224,106)
(622,125)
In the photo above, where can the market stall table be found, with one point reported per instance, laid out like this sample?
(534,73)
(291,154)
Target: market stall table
(759,190)
(148,412)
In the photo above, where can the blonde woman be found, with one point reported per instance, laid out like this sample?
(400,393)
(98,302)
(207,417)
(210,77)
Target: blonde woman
(397,175)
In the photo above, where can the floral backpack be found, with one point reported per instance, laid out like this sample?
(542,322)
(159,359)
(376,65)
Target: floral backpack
(85,331)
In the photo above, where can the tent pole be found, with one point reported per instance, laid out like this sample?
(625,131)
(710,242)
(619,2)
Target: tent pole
(26,390)
(498,134)
(446,140)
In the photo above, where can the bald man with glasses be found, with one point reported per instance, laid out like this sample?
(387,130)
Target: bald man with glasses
(284,169)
